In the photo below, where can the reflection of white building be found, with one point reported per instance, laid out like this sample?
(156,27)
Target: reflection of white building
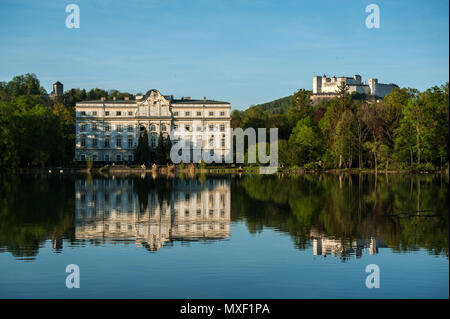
(324,245)
(109,209)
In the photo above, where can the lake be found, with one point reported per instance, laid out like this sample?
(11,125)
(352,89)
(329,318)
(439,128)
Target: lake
(224,236)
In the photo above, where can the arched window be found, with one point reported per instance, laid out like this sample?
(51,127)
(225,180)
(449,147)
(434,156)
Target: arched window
(152,128)
(163,128)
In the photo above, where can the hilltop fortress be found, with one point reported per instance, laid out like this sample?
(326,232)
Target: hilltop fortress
(326,87)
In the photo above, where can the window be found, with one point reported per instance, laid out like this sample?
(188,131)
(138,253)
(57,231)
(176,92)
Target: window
(94,127)
(83,113)
(106,142)
(106,160)
(130,128)
(222,127)
(94,157)
(82,157)
(83,141)
(118,157)
(222,142)
(119,141)
(222,113)
(187,127)
(211,113)
(130,158)
(175,113)
(107,127)
(211,128)
(199,113)
(118,113)
(94,113)
(83,128)
(187,113)
(199,212)
(152,128)
(142,128)
(163,128)
(106,113)
(118,127)
(94,142)
(153,141)
(130,113)
(130,142)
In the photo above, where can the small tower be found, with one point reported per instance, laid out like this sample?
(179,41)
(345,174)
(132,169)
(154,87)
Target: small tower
(317,84)
(58,88)
(373,86)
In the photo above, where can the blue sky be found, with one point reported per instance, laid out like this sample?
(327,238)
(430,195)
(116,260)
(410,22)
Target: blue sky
(245,52)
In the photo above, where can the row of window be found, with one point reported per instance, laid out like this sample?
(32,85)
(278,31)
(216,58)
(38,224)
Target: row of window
(131,113)
(188,113)
(130,141)
(130,227)
(130,128)
(106,142)
(107,158)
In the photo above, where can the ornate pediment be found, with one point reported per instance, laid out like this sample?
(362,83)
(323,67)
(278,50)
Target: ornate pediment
(153,104)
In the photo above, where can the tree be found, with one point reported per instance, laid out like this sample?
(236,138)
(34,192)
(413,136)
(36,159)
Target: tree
(142,152)
(167,148)
(306,135)
(160,155)
(346,142)
(371,117)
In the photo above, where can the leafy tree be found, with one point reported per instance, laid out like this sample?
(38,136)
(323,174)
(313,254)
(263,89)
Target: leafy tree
(307,136)
(345,144)
(142,152)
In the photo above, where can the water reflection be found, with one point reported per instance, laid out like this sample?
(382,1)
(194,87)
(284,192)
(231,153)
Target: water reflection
(324,245)
(143,211)
(340,216)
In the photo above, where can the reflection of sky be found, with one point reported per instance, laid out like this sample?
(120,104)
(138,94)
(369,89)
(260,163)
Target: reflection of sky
(265,265)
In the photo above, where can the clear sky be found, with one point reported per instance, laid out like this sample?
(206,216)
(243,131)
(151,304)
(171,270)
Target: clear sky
(243,51)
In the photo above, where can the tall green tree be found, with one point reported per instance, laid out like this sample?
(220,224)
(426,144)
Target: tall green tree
(142,152)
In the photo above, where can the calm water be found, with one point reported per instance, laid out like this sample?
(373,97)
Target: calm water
(224,236)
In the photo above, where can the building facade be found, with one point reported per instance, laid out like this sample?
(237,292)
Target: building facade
(326,87)
(108,130)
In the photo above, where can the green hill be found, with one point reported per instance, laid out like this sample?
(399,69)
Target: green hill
(278,106)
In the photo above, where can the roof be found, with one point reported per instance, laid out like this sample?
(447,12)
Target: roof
(189,101)
(185,101)
(108,102)
(57,83)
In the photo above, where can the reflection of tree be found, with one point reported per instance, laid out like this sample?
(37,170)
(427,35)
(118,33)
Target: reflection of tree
(28,215)
(347,207)
(147,185)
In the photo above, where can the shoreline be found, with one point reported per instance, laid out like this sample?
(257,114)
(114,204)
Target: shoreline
(175,170)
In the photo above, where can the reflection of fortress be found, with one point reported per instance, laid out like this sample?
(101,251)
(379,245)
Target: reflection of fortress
(324,245)
(111,209)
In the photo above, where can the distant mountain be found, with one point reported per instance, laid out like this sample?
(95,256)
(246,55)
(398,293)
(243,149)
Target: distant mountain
(277,106)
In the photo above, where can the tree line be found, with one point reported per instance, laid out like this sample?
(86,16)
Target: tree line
(408,129)
(36,130)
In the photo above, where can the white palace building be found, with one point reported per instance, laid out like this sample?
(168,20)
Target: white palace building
(108,130)
(327,87)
